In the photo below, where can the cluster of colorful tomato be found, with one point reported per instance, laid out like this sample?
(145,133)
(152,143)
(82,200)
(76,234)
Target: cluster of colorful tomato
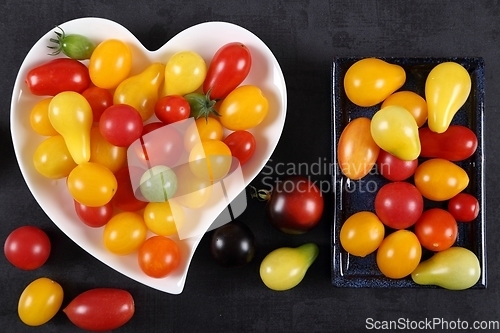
(420,163)
(94,112)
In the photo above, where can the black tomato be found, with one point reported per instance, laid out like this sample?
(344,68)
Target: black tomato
(233,244)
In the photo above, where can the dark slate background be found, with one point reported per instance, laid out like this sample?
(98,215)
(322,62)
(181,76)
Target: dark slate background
(304,36)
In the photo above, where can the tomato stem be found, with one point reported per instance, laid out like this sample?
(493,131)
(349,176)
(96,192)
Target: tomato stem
(261,195)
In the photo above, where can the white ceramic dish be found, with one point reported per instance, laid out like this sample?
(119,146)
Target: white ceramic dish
(205,39)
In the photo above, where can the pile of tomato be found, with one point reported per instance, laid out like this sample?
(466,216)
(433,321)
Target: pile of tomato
(411,142)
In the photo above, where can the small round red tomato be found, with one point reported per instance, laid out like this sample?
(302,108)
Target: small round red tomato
(229,67)
(399,204)
(357,151)
(99,99)
(162,146)
(172,108)
(464,207)
(394,168)
(399,254)
(27,247)
(121,125)
(242,145)
(124,197)
(159,256)
(436,229)
(150,127)
(94,217)
(295,206)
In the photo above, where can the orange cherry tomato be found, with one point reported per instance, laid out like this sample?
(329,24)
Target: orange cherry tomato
(399,254)
(412,102)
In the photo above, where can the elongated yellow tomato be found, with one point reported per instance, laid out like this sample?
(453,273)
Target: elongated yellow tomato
(105,153)
(40,301)
(399,254)
(124,233)
(245,107)
(52,158)
(357,151)
(395,130)
(110,63)
(362,233)
(71,116)
(439,179)
(412,102)
(210,160)
(141,91)
(285,268)
(369,81)
(39,118)
(185,72)
(91,184)
(446,90)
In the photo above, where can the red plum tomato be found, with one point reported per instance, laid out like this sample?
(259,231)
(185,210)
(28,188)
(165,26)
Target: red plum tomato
(464,207)
(455,144)
(27,247)
(399,204)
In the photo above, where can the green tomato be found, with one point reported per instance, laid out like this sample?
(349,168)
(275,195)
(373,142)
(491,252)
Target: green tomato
(74,46)
(284,268)
(40,301)
(158,184)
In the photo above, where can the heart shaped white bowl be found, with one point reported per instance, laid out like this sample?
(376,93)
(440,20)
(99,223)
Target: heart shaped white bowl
(205,39)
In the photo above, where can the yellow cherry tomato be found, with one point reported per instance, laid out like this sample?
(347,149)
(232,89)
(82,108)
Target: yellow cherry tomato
(192,192)
(412,102)
(71,115)
(439,179)
(91,184)
(185,72)
(52,158)
(202,129)
(245,107)
(40,301)
(369,81)
(357,152)
(39,118)
(395,130)
(164,218)
(446,90)
(141,91)
(105,153)
(399,254)
(124,233)
(210,160)
(110,63)
(362,233)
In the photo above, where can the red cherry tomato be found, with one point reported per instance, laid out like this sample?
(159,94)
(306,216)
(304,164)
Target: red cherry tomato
(101,309)
(173,108)
(58,75)
(163,146)
(436,229)
(229,67)
(99,99)
(150,127)
(124,198)
(27,247)
(399,204)
(394,168)
(158,256)
(121,124)
(94,217)
(464,207)
(242,145)
(295,206)
(455,144)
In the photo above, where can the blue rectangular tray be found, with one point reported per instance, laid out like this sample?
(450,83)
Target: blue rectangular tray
(353,196)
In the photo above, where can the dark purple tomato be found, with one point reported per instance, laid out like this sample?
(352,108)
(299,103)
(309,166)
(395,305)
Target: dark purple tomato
(295,205)
(233,244)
